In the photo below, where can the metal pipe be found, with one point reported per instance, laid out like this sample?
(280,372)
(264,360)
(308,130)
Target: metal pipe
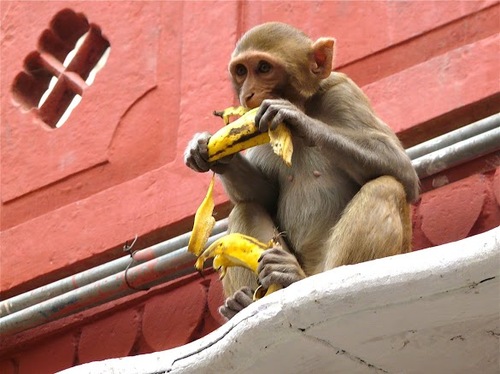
(458,153)
(107,282)
(147,274)
(452,137)
(83,278)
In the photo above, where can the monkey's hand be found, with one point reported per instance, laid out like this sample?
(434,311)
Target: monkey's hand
(196,155)
(272,112)
(277,266)
(240,300)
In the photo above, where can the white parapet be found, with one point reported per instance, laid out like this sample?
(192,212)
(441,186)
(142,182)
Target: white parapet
(432,311)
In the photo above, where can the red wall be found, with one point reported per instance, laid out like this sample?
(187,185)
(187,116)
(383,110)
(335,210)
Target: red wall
(72,196)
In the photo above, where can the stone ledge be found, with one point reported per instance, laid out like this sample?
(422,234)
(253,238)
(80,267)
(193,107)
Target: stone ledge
(434,310)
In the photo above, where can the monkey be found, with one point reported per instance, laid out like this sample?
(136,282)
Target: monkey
(345,199)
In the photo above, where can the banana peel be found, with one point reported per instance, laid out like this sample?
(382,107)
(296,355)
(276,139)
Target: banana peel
(242,134)
(204,222)
(233,250)
(281,141)
(237,250)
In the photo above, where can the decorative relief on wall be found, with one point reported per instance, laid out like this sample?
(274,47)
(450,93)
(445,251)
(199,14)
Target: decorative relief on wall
(69,55)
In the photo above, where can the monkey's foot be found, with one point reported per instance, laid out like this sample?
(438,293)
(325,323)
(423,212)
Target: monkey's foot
(237,302)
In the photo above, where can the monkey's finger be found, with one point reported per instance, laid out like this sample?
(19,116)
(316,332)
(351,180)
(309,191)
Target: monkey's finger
(238,301)
(200,156)
(232,304)
(268,269)
(264,118)
(276,255)
(282,116)
(201,164)
(244,296)
(202,145)
(264,115)
(191,163)
(283,279)
(226,312)
(195,162)
(195,155)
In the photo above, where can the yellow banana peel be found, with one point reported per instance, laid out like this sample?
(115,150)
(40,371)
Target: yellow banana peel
(233,250)
(243,134)
(281,141)
(203,222)
(237,250)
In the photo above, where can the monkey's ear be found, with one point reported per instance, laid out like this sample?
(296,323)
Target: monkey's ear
(323,50)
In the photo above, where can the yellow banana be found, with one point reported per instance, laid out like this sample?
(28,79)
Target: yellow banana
(237,250)
(235,137)
(231,111)
(243,134)
(203,222)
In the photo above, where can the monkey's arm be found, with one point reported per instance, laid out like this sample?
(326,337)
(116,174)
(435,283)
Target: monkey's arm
(360,142)
(242,181)
(368,154)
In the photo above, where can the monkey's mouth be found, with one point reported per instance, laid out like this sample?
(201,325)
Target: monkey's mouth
(255,102)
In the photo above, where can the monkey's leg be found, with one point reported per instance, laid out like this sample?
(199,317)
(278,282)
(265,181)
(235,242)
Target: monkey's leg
(376,223)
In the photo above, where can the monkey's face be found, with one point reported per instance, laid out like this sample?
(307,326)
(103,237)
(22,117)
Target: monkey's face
(257,76)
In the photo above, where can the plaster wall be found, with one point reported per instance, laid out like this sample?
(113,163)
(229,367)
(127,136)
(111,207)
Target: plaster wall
(71,196)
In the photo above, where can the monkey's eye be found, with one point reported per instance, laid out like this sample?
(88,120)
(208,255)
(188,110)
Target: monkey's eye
(240,70)
(264,67)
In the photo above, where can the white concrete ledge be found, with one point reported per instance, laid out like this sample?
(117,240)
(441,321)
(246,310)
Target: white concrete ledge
(432,311)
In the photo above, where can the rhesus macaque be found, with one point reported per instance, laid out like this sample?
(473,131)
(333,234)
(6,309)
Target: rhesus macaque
(344,200)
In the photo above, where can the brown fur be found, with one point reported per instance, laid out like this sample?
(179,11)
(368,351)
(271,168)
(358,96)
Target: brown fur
(346,197)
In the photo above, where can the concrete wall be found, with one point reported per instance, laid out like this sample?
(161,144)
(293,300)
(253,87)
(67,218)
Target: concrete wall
(71,196)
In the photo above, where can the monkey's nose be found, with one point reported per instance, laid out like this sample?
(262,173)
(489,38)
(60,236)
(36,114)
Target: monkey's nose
(248,100)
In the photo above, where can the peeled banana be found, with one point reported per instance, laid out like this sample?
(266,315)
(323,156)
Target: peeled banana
(243,134)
